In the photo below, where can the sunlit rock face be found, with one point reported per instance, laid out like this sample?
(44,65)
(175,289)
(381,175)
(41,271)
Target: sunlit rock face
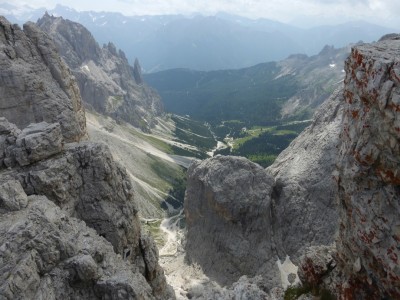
(36,85)
(304,198)
(108,84)
(369,172)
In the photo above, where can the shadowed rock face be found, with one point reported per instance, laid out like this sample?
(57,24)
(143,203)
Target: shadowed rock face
(36,85)
(106,80)
(227,208)
(68,220)
(369,177)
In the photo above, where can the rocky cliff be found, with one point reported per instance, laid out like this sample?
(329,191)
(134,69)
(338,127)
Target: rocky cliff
(68,219)
(227,209)
(36,85)
(106,80)
(368,173)
(341,174)
(304,198)
(242,219)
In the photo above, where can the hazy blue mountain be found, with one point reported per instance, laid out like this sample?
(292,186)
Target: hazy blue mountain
(204,43)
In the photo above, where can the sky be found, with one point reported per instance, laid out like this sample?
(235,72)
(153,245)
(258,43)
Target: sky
(303,13)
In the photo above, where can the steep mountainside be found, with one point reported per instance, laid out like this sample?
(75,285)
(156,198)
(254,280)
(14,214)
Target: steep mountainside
(36,84)
(68,219)
(293,87)
(338,180)
(255,217)
(106,80)
(304,199)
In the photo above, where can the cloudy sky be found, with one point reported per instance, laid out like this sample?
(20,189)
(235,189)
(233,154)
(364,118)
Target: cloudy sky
(298,12)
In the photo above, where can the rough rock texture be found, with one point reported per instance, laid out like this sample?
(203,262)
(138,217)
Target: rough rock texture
(46,250)
(368,173)
(35,84)
(36,142)
(316,265)
(85,182)
(304,199)
(227,208)
(240,220)
(47,255)
(106,80)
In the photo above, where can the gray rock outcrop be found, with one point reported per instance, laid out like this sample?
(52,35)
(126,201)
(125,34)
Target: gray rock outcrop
(241,218)
(368,173)
(304,199)
(47,255)
(69,224)
(36,85)
(106,80)
(228,208)
(350,153)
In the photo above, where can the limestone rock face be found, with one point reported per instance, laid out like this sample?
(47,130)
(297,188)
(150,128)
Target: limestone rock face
(36,85)
(304,199)
(241,219)
(227,208)
(68,220)
(47,255)
(106,80)
(368,172)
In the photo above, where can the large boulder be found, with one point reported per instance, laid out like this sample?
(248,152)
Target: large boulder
(228,214)
(244,220)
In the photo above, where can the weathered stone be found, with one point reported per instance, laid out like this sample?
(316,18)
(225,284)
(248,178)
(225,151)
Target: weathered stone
(12,196)
(106,80)
(45,254)
(228,210)
(316,263)
(304,199)
(36,142)
(36,85)
(368,174)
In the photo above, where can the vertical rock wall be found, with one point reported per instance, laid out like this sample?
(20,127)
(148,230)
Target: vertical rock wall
(369,173)
(35,84)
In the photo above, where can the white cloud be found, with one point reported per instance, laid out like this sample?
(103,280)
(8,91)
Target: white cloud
(384,12)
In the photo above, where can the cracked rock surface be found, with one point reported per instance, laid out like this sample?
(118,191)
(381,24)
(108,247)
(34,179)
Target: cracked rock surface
(368,172)
(69,226)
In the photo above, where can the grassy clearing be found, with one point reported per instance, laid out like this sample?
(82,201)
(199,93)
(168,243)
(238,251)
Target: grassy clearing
(153,227)
(262,144)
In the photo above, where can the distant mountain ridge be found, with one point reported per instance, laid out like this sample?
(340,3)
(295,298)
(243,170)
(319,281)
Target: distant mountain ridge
(107,82)
(202,42)
(290,88)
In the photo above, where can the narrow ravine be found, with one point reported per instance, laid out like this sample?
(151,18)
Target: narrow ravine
(170,226)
